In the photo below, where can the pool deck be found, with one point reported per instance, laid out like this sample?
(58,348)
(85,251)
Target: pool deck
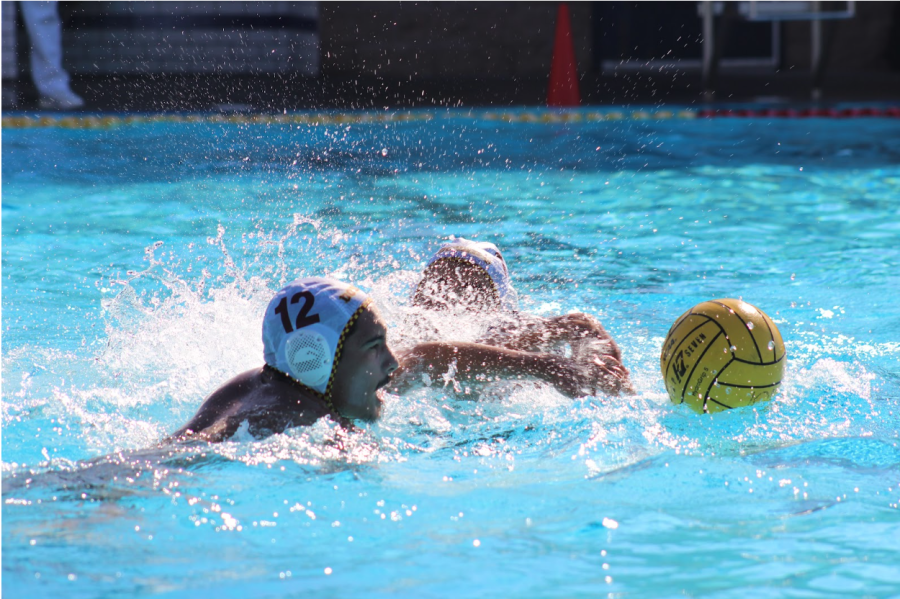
(276,93)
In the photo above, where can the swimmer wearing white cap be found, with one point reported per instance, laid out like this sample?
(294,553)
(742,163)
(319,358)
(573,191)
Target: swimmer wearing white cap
(327,354)
(466,278)
(470,275)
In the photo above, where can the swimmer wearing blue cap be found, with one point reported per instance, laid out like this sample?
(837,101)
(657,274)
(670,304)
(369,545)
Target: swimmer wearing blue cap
(469,279)
(327,354)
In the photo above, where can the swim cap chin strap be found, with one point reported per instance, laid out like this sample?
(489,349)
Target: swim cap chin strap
(304,330)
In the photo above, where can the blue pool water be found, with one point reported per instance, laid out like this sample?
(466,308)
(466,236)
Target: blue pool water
(137,261)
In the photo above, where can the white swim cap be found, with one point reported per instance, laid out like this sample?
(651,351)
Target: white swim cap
(486,256)
(305,326)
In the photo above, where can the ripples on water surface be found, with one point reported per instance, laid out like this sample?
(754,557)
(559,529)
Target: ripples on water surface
(137,262)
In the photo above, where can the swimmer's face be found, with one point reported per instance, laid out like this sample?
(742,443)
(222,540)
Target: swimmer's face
(365,366)
(456,286)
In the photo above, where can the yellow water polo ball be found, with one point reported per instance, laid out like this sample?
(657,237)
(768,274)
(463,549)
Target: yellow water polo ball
(722,354)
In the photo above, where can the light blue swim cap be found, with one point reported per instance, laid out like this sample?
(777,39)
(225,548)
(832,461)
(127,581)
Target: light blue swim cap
(487,257)
(305,326)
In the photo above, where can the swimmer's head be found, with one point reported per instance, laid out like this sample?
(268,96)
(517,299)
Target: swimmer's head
(466,275)
(327,336)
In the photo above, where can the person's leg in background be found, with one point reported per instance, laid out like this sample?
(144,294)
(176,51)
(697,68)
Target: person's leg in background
(45,34)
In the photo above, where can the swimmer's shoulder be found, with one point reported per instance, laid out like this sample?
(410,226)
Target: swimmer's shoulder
(236,391)
(262,397)
(415,327)
(225,401)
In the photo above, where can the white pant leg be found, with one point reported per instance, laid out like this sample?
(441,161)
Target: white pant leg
(45,34)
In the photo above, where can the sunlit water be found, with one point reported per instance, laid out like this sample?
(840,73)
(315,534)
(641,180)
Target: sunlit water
(137,262)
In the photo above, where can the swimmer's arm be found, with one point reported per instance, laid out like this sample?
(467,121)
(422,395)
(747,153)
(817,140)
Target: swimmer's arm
(474,362)
(578,330)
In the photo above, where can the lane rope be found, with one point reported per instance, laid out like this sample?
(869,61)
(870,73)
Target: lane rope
(342,118)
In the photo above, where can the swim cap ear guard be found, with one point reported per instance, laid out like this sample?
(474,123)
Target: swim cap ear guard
(305,327)
(487,257)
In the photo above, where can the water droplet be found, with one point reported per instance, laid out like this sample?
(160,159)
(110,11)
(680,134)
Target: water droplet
(733,348)
(725,350)
(750,325)
(771,345)
(384,152)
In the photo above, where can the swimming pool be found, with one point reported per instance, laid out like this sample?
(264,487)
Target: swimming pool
(137,261)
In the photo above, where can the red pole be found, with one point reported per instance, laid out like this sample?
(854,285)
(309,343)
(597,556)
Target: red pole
(563,88)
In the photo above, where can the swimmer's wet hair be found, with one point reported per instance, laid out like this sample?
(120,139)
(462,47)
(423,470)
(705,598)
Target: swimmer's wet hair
(438,271)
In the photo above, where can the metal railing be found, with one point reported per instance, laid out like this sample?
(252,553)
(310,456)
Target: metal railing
(770,11)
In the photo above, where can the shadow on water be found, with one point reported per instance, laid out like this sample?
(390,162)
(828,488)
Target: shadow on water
(116,476)
(180,468)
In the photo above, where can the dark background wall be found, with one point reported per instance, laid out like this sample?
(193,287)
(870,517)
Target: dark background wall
(274,55)
(447,39)
(513,39)
(866,41)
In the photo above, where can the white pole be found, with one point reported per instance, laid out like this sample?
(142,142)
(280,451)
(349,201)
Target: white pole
(816,50)
(708,48)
